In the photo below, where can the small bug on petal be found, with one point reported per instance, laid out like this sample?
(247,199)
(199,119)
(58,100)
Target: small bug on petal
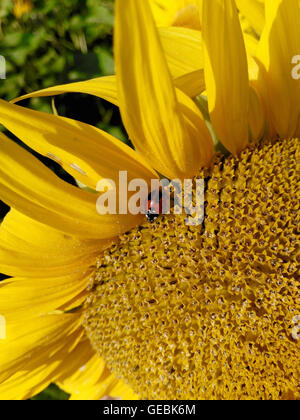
(154,206)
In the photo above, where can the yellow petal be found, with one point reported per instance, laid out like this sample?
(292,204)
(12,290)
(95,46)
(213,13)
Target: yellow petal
(280,42)
(196,129)
(102,87)
(36,372)
(21,7)
(23,385)
(148,102)
(42,340)
(257,120)
(35,191)
(184,54)
(123,392)
(23,298)
(183,50)
(254,12)
(164,11)
(251,44)
(32,249)
(298,129)
(183,13)
(226,73)
(188,17)
(192,84)
(258,85)
(86,377)
(86,152)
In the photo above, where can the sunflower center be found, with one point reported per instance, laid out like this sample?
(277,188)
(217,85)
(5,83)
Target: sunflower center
(183,312)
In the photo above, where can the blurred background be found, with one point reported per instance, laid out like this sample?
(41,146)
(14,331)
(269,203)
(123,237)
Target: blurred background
(50,42)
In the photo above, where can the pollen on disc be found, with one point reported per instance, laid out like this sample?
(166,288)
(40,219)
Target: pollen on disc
(209,312)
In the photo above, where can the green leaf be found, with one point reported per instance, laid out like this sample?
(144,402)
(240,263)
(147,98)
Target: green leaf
(106,61)
(51,393)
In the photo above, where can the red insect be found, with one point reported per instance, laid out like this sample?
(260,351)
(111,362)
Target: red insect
(154,207)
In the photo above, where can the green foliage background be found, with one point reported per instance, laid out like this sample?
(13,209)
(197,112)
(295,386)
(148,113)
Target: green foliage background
(59,41)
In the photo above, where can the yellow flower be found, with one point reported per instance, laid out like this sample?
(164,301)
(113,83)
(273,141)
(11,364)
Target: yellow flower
(174,311)
(21,7)
(183,13)
(252,15)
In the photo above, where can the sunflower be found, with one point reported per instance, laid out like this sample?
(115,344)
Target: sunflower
(116,305)
(183,13)
(20,7)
